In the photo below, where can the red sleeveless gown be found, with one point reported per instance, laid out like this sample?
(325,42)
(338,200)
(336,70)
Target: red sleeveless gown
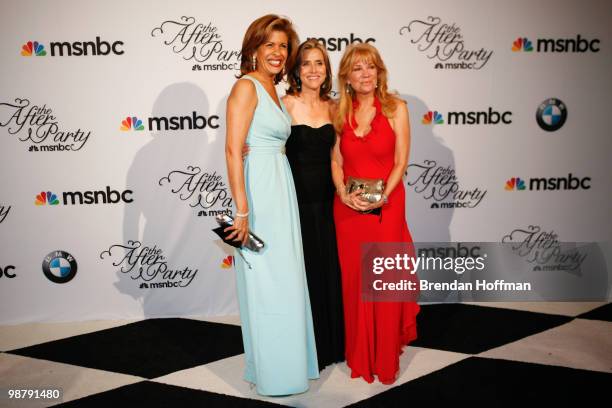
(375,332)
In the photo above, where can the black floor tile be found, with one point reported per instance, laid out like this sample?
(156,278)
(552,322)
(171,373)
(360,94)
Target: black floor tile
(149,394)
(482,382)
(601,313)
(473,329)
(149,348)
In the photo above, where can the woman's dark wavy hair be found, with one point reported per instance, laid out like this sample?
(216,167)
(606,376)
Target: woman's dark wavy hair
(258,32)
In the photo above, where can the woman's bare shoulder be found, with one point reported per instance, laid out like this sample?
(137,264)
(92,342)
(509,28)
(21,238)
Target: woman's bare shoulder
(243,88)
(288,100)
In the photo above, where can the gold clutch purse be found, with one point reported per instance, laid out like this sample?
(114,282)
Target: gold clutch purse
(372,189)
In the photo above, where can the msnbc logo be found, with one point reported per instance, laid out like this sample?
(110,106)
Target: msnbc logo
(432,117)
(578,44)
(131,123)
(46,198)
(522,44)
(515,183)
(33,47)
(227,262)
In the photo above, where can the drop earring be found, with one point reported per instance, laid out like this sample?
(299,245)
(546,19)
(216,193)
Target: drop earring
(254,63)
(298,83)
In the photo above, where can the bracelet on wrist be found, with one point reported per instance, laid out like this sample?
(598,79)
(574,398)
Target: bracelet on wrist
(242,215)
(385,198)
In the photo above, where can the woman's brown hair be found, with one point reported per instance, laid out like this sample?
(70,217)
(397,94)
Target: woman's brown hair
(293,71)
(258,32)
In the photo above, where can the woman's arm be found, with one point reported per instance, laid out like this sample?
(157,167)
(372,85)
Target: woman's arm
(351,200)
(401,127)
(241,106)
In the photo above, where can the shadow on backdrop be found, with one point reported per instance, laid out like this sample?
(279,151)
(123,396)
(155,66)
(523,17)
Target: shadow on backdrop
(163,225)
(426,224)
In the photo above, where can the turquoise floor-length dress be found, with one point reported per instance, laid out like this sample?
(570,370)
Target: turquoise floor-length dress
(275,313)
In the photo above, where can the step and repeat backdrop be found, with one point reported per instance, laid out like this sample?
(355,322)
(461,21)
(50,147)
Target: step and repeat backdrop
(112,132)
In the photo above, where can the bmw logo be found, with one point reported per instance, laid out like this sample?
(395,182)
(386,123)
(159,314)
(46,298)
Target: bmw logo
(551,114)
(59,267)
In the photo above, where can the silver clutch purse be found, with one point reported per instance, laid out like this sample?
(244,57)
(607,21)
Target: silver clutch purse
(372,188)
(254,243)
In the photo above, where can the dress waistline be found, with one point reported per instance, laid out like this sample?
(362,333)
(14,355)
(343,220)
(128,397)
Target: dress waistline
(266,149)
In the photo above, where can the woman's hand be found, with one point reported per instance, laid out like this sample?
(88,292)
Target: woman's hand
(352,200)
(365,205)
(240,230)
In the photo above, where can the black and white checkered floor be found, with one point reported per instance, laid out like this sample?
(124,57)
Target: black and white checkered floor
(478,354)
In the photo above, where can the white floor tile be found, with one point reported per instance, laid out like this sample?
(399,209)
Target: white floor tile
(233,319)
(335,387)
(584,344)
(559,308)
(24,335)
(76,382)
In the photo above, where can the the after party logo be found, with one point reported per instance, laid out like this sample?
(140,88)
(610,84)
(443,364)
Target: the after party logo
(106,196)
(59,267)
(444,43)
(38,126)
(4,211)
(556,45)
(98,47)
(570,182)
(206,191)
(544,250)
(194,121)
(197,42)
(551,114)
(485,117)
(340,43)
(148,265)
(440,185)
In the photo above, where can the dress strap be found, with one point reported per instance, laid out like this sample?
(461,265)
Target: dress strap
(257,85)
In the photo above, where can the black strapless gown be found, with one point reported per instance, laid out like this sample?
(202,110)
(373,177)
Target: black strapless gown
(308,150)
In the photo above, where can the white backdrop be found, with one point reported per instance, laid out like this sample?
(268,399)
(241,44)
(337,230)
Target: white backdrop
(442,56)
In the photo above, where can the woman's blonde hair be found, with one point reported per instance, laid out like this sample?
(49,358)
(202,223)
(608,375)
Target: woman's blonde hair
(353,54)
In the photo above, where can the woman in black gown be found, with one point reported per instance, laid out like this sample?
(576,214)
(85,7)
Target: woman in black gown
(309,152)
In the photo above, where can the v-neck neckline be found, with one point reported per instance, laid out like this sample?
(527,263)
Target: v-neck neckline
(280,105)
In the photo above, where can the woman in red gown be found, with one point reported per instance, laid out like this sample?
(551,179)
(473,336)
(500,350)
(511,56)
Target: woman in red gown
(373,142)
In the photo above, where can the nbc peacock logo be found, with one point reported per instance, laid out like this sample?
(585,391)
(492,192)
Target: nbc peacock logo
(522,44)
(33,48)
(227,262)
(515,184)
(45,198)
(131,123)
(432,118)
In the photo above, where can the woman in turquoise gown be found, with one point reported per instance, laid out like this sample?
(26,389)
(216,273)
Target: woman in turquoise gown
(273,297)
